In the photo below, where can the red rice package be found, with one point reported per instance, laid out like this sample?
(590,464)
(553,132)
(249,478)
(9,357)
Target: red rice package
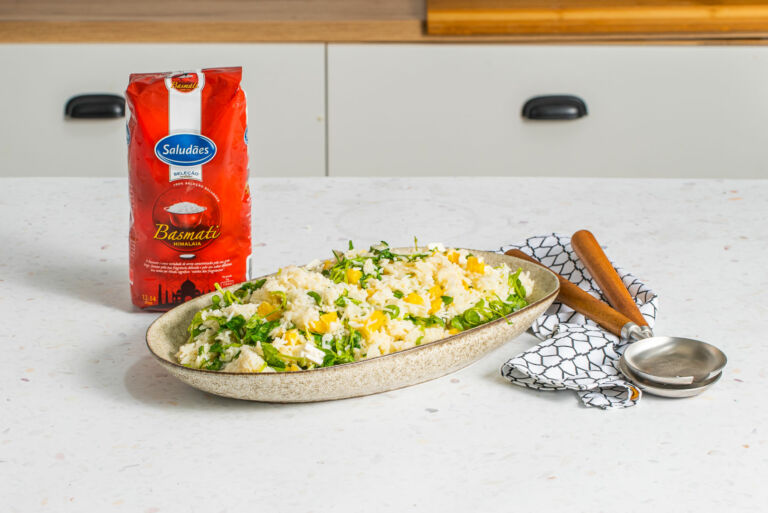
(188,167)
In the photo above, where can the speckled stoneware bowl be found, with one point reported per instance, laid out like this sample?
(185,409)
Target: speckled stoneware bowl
(379,374)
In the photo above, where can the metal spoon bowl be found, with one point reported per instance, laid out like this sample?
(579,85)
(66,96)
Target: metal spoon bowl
(674,360)
(660,389)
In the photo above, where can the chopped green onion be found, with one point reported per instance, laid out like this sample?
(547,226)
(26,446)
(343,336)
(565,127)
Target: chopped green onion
(392,310)
(282,296)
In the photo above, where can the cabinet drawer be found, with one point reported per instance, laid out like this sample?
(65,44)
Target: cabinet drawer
(285,85)
(456,110)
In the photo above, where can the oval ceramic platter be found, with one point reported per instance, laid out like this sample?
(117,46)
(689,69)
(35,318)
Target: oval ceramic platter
(374,375)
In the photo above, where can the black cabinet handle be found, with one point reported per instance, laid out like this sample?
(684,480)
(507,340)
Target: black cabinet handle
(95,106)
(554,107)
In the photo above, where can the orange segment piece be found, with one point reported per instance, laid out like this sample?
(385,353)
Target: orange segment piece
(474,265)
(436,301)
(354,275)
(291,336)
(374,323)
(323,325)
(414,299)
(269,311)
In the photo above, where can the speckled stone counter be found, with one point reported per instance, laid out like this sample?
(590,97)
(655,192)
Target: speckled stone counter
(89,422)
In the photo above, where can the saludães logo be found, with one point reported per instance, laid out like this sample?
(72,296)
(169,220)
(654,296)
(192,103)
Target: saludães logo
(185,149)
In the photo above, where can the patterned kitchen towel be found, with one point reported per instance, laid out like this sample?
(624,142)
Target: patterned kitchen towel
(575,353)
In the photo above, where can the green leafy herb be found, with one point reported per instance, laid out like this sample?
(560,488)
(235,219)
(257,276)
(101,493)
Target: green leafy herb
(195,327)
(351,246)
(457,323)
(427,322)
(341,350)
(249,287)
(516,284)
(341,301)
(228,298)
(283,298)
(235,324)
(258,330)
(214,365)
(314,295)
(272,356)
(447,300)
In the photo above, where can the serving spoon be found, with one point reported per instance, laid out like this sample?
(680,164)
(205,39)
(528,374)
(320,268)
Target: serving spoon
(681,352)
(667,360)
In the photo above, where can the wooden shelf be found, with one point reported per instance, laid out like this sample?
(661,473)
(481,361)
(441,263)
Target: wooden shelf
(403,21)
(650,18)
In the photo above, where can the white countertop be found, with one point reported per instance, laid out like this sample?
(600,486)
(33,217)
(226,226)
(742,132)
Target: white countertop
(90,423)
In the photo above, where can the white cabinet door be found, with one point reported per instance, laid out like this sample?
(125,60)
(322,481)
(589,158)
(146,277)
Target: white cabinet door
(456,110)
(285,85)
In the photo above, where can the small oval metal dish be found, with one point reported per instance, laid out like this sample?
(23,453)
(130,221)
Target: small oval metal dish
(364,377)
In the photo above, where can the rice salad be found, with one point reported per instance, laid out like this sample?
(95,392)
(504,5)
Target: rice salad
(359,304)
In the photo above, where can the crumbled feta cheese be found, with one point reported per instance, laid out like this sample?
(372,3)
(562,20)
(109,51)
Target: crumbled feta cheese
(313,354)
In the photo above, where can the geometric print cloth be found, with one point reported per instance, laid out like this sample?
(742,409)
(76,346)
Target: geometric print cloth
(575,353)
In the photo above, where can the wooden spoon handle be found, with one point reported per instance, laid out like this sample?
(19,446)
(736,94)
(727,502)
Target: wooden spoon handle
(598,265)
(581,301)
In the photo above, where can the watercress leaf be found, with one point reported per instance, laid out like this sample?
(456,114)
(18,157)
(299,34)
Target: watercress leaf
(341,301)
(235,323)
(250,286)
(314,295)
(457,323)
(272,356)
(214,365)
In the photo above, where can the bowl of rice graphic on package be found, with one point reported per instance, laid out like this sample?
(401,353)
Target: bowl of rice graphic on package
(185,215)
